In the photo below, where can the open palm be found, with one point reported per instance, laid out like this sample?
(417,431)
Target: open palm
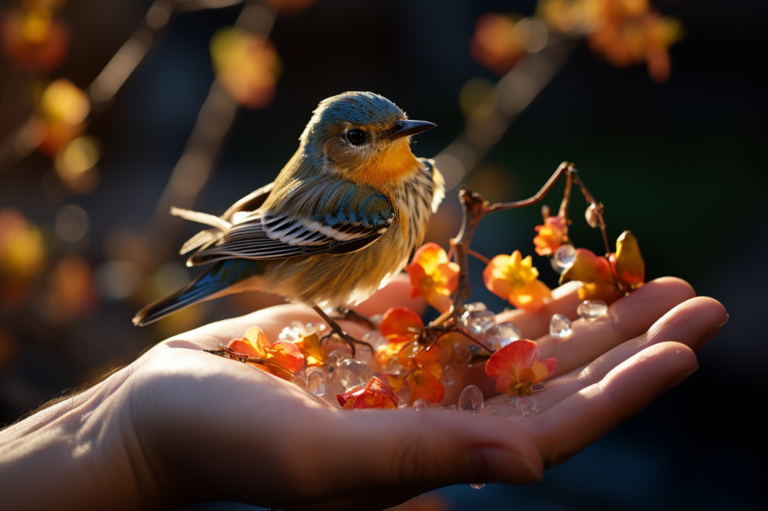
(188,427)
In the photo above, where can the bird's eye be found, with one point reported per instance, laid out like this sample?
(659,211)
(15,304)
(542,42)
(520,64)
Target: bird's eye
(356,137)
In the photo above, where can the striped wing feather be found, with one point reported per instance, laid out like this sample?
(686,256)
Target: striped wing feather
(313,217)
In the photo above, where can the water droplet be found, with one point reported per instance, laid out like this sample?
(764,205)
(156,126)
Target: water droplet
(474,307)
(560,326)
(461,354)
(503,334)
(591,309)
(526,406)
(449,376)
(477,486)
(316,382)
(421,404)
(471,400)
(353,372)
(564,258)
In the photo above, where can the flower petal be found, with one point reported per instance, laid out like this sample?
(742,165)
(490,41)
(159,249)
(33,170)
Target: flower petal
(511,358)
(630,266)
(309,345)
(423,385)
(398,321)
(532,297)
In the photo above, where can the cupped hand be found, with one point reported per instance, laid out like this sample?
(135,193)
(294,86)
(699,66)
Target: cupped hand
(184,426)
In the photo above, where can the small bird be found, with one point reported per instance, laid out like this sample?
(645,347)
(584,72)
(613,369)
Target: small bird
(340,220)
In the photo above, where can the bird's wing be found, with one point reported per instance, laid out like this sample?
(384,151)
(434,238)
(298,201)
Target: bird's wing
(249,203)
(313,217)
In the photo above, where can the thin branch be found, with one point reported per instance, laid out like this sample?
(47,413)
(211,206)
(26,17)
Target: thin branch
(478,255)
(196,164)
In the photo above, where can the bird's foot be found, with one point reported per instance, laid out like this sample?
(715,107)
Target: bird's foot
(338,332)
(351,315)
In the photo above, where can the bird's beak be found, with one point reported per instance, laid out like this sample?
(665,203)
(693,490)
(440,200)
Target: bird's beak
(408,128)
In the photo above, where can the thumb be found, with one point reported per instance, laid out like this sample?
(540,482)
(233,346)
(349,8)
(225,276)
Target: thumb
(381,450)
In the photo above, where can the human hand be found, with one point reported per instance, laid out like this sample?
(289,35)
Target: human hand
(179,425)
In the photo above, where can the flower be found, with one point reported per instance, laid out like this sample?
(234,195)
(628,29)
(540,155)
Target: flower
(433,276)
(608,278)
(399,325)
(514,278)
(496,44)
(516,369)
(282,358)
(309,346)
(376,394)
(247,65)
(33,40)
(550,235)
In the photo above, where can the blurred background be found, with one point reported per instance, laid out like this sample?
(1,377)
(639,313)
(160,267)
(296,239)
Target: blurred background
(111,112)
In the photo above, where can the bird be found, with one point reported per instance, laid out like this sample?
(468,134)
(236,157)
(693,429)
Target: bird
(340,220)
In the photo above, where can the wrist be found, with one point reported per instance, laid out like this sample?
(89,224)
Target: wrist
(76,454)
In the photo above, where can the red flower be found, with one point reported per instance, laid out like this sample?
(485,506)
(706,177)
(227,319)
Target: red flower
(516,369)
(374,395)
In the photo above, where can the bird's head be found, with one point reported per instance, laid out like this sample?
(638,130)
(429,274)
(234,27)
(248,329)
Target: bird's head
(363,136)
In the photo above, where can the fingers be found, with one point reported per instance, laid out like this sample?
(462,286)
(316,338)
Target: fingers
(533,325)
(627,318)
(691,323)
(583,418)
(395,294)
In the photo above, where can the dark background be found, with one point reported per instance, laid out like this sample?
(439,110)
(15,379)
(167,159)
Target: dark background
(676,163)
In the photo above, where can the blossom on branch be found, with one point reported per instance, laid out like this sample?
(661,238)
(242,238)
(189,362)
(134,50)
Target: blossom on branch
(433,276)
(515,279)
(282,358)
(550,235)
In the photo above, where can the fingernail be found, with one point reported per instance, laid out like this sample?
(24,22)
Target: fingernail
(494,464)
(691,372)
(712,333)
(680,379)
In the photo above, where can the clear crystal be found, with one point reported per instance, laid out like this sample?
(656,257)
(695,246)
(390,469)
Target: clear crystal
(480,321)
(502,408)
(353,372)
(331,366)
(374,338)
(461,354)
(502,334)
(526,406)
(299,381)
(477,486)
(421,404)
(560,326)
(403,396)
(449,408)
(474,307)
(363,354)
(471,400)
(449,376)
(564,258)
(316,382)
(376,320)
(591,309)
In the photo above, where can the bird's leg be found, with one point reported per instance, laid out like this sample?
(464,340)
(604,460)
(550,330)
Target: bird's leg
(351,315)
(341,334)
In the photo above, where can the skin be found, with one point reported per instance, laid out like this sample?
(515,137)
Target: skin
(179,426)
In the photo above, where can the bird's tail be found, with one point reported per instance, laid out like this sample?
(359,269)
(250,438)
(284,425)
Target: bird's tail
(222,276)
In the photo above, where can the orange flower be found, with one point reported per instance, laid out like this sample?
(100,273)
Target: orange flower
(374,395)
(309,345)
(516,369)
(496,44)
(33,40)
(282,358)
(607,279)
(514,278)
(247,65)
(433,276)
(550,235)
(399,325)
(62,115)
